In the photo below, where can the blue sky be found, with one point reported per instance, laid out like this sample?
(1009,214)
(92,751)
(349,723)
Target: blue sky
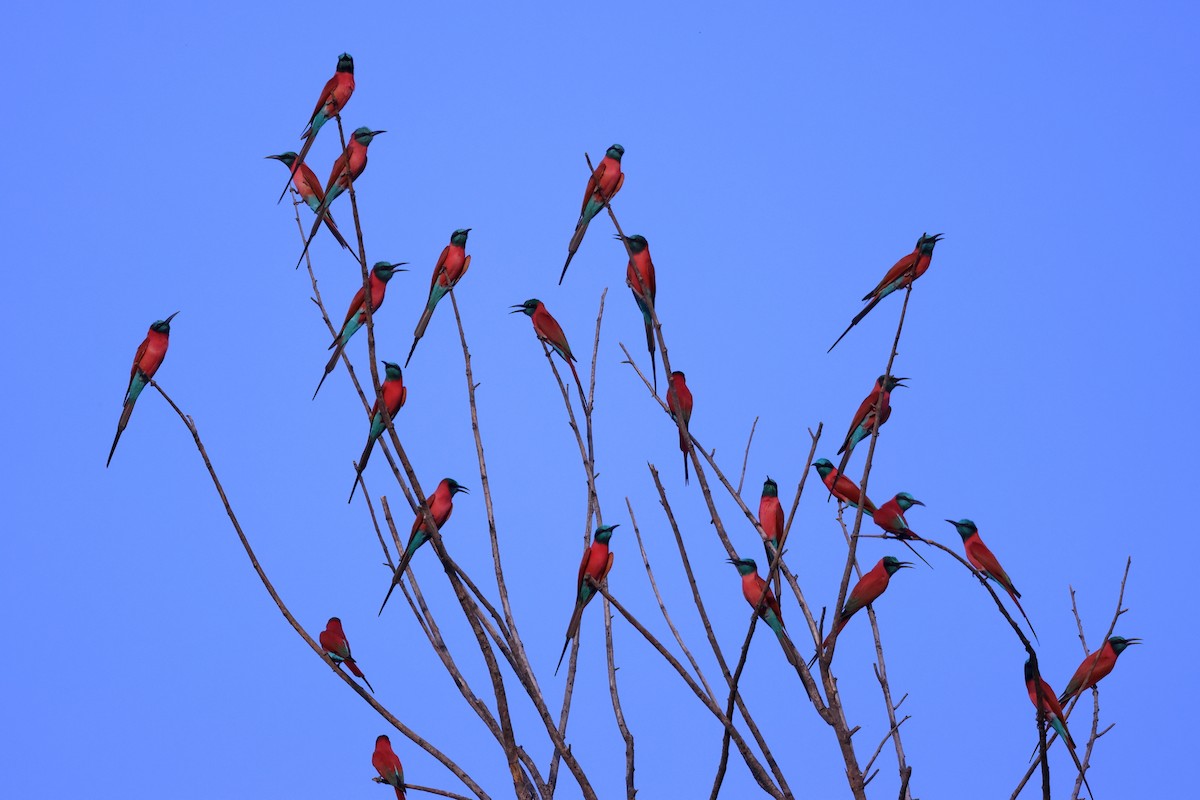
(779,160)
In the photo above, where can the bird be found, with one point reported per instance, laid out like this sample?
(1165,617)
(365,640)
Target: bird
(900,276)
(356,316)
(1049,705)
(146,361)
(639,277)
(310,190)
(549,331)
(983,560)
(441,504)
(394,395)
(868,589)
(753,589)
(841,487)
(451,266)
(602,186)
(388,765)
(1096,666)
(679,400)
(348,167)
(333,99)
(890,517)
(770,517)
(335,645)
(879,399)
(596,563)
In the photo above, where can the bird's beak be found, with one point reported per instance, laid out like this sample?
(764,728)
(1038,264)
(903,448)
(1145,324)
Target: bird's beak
(898,383)
(277,158)
(916,502)
(376,133)
(462,488)
(468,230)
(952,522)
(1133,641)
(618,236)
(903,564)
(515,309)
(168,319)
(937,237)
(397,265)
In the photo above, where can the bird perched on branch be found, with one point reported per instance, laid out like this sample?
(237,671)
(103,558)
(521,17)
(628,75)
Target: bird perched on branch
(868,589)
(890,517)
(596,563)
(441,503)
(337,647)
(310,191)
(900,276)
(1049,704)
(770,517)
(549,331)
(146,361)
(753,589)
(877,405)
(841,487)
(985,561)
(356,316)
(1096,666)
(348,168)
(679,400)
(451,266)
(394,395)
(602,186)
(388,765)
(639,277)
(333,99)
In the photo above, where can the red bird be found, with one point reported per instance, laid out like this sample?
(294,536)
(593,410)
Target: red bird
(1049,706)
(596,563)
(841,487)
(332,100)
(603,184)
(890,517)
(310,191)
(549,331)
(679,400)
(868,589)
(146,361)
(983,560)
(337,647)
(441,504)
(864,419)
(770,517)
(1096,666)
(639,277)
(388,765)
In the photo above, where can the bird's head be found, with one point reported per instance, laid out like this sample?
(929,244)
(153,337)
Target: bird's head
(334,622)
(966,529)
(345,63)
(163,325)
(770,488)
(637,242)
(1119,643)
(365,135)
(1031,670)
(926,242)
(604,533)
(288,158)
(892,564)
(384,270)
(459,237)
(454,487)
(383,739)
(392,371)
(745,566)
(678,376)
(907,501)
(823,466)
(615,152)
(889,382)
(528,307)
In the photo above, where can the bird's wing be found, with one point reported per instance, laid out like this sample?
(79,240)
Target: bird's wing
(330,85)
(592,183)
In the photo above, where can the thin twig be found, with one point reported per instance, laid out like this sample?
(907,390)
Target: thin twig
(746,457)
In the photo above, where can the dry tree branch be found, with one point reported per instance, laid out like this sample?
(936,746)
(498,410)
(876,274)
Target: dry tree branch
(287,614)
(746,457)
(630,789)
(387,554)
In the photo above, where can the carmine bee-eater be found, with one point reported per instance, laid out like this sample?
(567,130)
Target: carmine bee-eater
(841,487)
(868,589)
(863,422)
(333,99)
(310,191)
(388,765)
(146,361)
(1050,707)
(983,560)
(890,517)
(770,517)
(441,503)
(549,331)
(603,184)
(356,317)
(348,167)
(1096,666)
(639,277)
(900,276)
(753,588)
(334,643)
(394,395)
(451,266)
(679,400)
(596,563)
